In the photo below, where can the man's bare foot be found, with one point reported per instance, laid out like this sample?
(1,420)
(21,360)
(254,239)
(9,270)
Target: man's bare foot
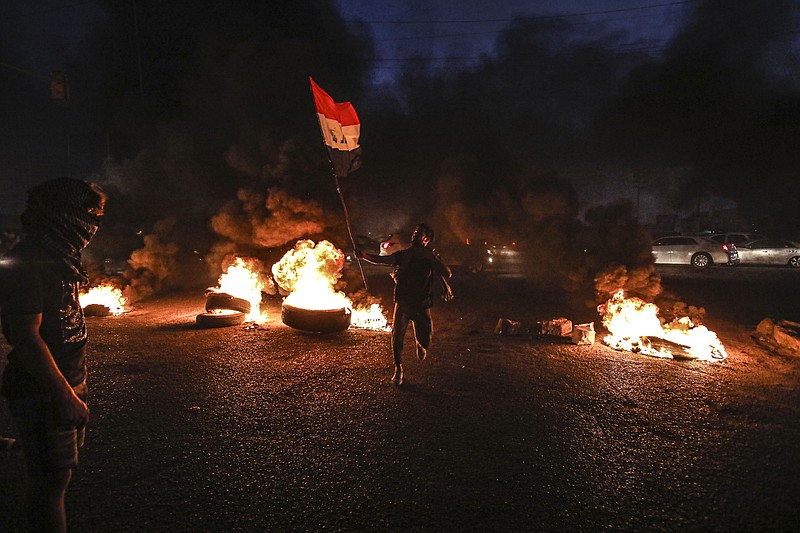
(397,377)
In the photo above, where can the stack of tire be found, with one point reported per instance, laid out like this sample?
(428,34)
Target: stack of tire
(223,310)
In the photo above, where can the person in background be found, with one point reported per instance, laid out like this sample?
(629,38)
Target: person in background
(44,382)
(415,269)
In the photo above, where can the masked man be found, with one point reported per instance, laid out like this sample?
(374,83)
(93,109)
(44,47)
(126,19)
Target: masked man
(414,274)
(44,382)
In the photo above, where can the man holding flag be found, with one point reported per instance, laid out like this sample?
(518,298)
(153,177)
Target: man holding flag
(340,129)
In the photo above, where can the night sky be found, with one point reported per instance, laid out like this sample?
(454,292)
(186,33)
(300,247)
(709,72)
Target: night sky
(501,119)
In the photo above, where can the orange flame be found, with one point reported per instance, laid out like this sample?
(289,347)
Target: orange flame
(243,281)
(309,272)
(632,322)
(106,295)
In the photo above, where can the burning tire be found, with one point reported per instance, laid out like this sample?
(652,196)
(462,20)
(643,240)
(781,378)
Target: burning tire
(316,320)
(223,300)
(219,320)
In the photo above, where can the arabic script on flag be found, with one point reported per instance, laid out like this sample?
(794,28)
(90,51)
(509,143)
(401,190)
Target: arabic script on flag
(341,128)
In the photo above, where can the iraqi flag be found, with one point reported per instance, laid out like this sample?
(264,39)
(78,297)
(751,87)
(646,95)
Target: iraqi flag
(340,128)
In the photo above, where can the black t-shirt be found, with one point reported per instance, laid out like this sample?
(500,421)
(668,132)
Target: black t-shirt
(32,281)
(414,275)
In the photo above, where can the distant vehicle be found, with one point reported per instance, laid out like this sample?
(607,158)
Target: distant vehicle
(770,251)
(691,250)
(736,238)
(479,255)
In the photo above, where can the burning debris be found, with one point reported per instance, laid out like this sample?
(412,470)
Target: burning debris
(103,300)
(310,273)
(583,334)
(634,326)
(237,298)
(242,280)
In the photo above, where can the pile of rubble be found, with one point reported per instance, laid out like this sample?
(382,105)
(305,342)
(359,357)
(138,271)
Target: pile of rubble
(782,336)
(561,328)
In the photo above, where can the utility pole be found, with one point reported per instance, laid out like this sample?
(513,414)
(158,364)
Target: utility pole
(138,50)
(637,182)
(59,95)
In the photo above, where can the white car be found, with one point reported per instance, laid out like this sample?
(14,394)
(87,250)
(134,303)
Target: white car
(691,250)
(769,251)
(735,238)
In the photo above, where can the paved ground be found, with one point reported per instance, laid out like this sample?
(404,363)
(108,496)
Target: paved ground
(277,430)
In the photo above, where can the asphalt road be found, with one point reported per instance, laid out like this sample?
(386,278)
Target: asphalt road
(276,430)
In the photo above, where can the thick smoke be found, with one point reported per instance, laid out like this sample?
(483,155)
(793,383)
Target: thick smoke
(152,266)
(568,143)
(218,134)
(268,220)
(723,104)
(565,141)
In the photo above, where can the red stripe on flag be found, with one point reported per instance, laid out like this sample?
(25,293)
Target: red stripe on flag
(340,130)
(342,112)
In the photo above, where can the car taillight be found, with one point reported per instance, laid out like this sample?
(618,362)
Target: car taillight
(725,247)
(385,245)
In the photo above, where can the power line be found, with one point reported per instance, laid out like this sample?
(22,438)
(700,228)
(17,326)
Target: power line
(504,30)
(533,17)
(24,71)
(622,48)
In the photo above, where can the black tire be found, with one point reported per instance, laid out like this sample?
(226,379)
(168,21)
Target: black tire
(794,262)
(223,300)
(219,320)
(701,260)
(317,321)
(96,310)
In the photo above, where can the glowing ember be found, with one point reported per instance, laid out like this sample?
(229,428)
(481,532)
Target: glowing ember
(634,326)
(309,272)
(106,295)
(243,281)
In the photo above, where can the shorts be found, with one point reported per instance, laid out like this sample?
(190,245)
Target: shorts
(47,447)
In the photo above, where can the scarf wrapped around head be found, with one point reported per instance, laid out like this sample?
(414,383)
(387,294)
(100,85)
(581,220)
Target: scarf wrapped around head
(62,215)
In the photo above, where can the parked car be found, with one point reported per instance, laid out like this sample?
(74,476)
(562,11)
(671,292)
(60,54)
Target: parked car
(736,238)
(770,251)
(692,250)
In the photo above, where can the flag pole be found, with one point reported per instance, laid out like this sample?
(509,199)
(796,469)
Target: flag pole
(349,231)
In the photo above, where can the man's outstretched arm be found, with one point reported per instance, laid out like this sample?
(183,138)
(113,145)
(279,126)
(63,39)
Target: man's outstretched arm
(441,266)
(375,259)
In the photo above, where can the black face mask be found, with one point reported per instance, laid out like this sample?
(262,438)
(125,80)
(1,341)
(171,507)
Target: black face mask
(62,215)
